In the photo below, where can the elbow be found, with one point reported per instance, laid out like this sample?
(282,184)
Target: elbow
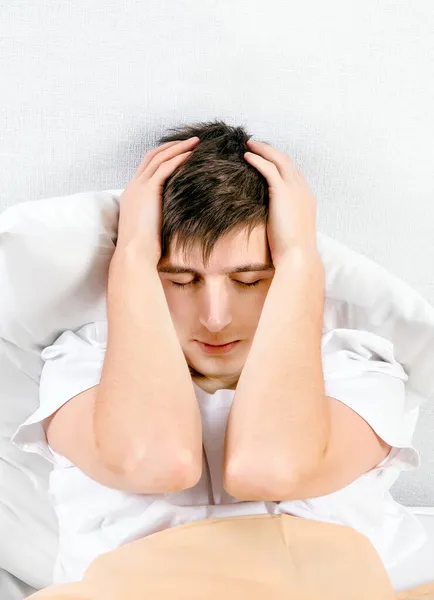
(187,469)
(165,472)
(245,481)
(157,471)
(265,489)
(269,484)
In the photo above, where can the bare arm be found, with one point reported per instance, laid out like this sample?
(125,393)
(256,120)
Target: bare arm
(278,424)
(287,440)
(70,433)
(146,414)
(146,417)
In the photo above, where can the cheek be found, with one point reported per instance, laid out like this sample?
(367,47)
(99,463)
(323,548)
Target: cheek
(250,308)
(258,299)
(258,303)
(180,306)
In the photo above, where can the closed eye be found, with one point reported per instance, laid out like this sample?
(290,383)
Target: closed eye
(193,282)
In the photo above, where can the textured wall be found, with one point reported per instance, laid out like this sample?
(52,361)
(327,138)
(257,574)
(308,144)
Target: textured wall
(345,88)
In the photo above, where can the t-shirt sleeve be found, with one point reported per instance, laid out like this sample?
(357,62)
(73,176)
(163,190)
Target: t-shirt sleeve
(360,370)
(72,365)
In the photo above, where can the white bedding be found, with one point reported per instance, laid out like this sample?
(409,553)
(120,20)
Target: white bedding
(417,570)
(12,588)
(41,237)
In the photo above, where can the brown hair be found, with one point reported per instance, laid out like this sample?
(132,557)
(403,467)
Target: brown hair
(213,192)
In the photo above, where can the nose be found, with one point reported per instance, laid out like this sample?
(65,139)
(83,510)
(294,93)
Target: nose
(215,313)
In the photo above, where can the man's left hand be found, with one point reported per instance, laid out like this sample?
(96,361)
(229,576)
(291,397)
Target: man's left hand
(292,206)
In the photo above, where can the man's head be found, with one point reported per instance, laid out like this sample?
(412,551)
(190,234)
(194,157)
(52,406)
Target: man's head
(215,209)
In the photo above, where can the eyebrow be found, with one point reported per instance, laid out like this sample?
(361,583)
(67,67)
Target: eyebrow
(178,269)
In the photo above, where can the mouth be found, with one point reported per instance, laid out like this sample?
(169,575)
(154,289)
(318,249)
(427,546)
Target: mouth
(217,349)
(216,345)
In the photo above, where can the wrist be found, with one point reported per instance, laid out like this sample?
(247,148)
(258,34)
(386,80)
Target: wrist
(301,255)
(135,253)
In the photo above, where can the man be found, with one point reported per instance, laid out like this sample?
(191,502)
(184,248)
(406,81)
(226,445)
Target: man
(212,389)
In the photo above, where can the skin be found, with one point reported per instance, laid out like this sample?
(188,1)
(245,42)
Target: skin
(315,443)
(215,308)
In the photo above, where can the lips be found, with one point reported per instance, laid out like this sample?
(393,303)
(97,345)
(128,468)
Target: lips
(224,344)
(218,350)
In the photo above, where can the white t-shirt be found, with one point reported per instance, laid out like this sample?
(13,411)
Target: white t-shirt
(359,370)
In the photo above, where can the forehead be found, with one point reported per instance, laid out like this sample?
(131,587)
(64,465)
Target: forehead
(235,252)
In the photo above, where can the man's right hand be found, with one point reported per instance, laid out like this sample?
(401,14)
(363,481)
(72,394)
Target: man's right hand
(140,213)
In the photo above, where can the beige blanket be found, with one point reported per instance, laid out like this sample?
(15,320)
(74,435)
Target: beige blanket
(263,557)
(423,592)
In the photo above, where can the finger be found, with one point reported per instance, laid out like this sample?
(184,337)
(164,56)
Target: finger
(168,154)
(282,161)
(150,155)
(268,169)
(166,168)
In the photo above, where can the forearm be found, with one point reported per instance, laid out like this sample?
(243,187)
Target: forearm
(279,421)
(146,411)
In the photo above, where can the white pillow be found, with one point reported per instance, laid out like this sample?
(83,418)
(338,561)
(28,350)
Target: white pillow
(54,258)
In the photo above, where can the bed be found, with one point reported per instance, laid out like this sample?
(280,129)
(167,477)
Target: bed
(345,89)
